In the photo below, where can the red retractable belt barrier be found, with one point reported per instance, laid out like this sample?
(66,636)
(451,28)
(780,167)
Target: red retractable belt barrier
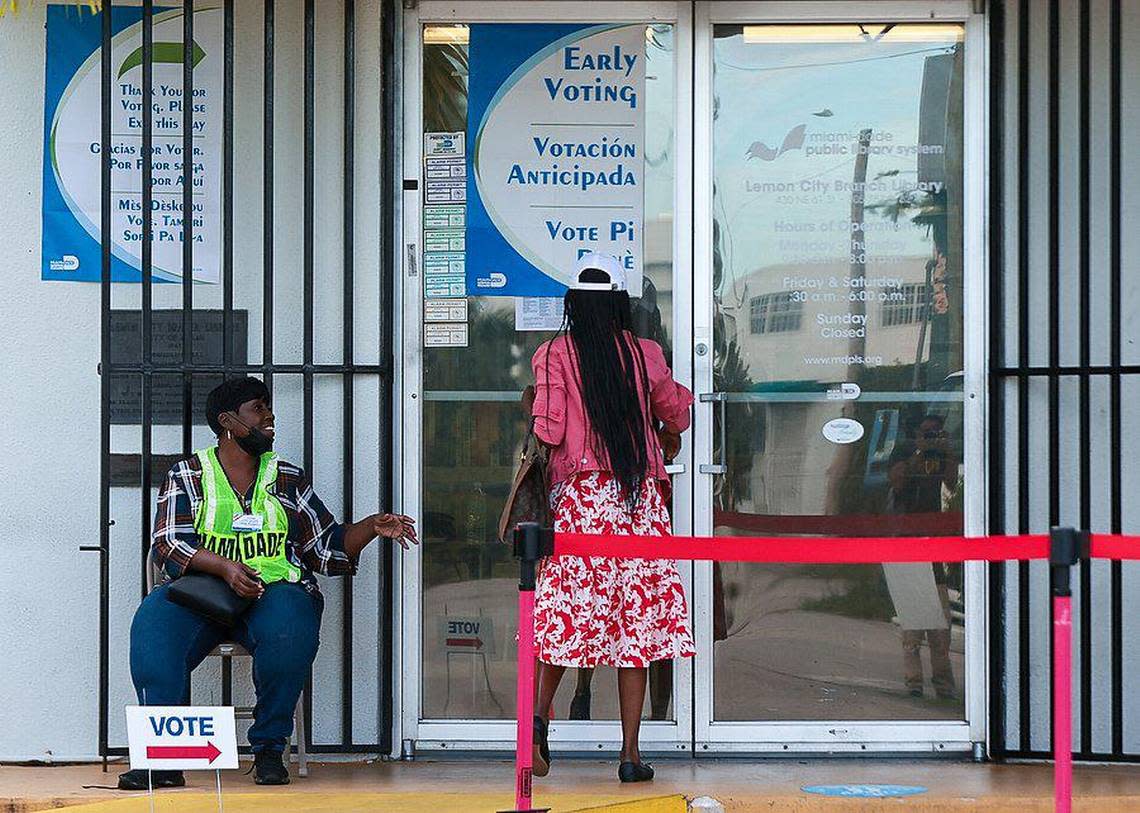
(930,523)
(1114,546)
(1063,547)
(807,550)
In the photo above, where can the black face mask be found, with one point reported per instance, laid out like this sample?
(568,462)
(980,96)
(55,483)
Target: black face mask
(254,444)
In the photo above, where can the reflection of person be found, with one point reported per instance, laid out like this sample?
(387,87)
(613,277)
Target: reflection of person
(285,535)
(599,387)
(916,473)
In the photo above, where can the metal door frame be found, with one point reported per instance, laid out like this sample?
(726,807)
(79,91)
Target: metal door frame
(846,736)
(413,731)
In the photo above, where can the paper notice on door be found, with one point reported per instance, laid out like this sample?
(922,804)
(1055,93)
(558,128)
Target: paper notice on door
(445,191)
(445,310)
(444,145)
(915,596)
(445,217)
(444,240)
(445,335)
(538,313)
(442,169)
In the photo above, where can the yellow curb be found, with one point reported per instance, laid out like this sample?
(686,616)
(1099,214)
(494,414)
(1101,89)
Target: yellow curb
(996,803)
(286,801)
(658,804)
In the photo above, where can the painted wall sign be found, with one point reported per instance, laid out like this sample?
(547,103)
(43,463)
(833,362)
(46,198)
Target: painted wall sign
(556,129)
(72,193)
(843,430)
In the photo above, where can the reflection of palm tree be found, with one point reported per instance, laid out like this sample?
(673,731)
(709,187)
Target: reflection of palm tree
(730,374)
(941,213)
(927,209)
(445,88)
(744,432)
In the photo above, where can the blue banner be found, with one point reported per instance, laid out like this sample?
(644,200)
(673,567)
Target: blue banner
(555,134)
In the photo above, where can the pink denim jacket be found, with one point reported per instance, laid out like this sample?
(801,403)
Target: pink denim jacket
(560,410)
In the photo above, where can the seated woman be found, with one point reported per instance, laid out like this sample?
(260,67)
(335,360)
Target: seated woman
(209,502)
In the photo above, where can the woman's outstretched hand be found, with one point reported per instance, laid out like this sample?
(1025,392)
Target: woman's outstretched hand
(398,527)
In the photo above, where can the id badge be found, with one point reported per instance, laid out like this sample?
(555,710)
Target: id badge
(248,523)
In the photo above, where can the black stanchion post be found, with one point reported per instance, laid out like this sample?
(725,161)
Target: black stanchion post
(1065,550)
(531,543)
(1066,547)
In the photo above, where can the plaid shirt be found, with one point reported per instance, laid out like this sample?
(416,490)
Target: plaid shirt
(315,542)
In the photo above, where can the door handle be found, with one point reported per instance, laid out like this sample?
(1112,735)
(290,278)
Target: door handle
(722,399)
(674,468)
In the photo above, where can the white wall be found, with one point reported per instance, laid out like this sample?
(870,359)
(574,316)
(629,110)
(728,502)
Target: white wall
(49,457)
(49,445)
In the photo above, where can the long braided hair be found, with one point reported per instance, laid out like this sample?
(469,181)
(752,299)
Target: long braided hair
(612,370)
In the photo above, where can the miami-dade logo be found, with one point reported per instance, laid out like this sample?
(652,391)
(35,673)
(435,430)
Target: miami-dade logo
(492,280)
(68,262)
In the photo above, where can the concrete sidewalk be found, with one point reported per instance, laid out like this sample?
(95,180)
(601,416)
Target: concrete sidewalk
(473,786)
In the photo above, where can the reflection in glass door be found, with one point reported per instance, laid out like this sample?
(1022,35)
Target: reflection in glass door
(836,306)
(463,591)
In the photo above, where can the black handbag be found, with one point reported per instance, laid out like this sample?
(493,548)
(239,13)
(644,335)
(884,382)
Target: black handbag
(208,596)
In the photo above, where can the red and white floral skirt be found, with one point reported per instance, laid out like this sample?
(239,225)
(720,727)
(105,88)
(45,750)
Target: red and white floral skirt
(620,612)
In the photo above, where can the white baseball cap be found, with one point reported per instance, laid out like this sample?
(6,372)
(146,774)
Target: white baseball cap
(608,264)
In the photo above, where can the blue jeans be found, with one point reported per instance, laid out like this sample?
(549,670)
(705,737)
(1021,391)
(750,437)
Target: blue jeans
(281,631)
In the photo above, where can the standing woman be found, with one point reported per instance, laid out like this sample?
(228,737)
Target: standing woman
(600,393)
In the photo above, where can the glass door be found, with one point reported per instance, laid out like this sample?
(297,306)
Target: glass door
(467,349)
(834,288)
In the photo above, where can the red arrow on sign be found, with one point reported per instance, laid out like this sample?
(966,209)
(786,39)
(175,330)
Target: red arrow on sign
(474,643)
(208,752)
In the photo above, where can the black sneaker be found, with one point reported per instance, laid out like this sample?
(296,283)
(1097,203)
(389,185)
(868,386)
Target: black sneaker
(137,780)
(269,769)
(540,763)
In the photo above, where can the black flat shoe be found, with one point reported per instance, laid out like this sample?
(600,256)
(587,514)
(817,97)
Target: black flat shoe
(580,706)
(540,762)
(635,772)
(136,779)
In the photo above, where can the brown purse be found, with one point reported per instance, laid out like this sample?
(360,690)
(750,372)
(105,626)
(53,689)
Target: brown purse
(529,497)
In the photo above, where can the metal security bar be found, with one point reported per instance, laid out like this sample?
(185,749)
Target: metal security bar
(190,369)
(1029,70)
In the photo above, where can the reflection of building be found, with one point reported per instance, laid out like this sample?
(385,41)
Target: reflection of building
(794,339)
(782,338)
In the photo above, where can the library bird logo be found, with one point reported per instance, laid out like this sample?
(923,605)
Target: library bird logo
(794,140)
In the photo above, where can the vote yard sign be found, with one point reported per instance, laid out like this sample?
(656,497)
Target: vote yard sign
(182,738)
